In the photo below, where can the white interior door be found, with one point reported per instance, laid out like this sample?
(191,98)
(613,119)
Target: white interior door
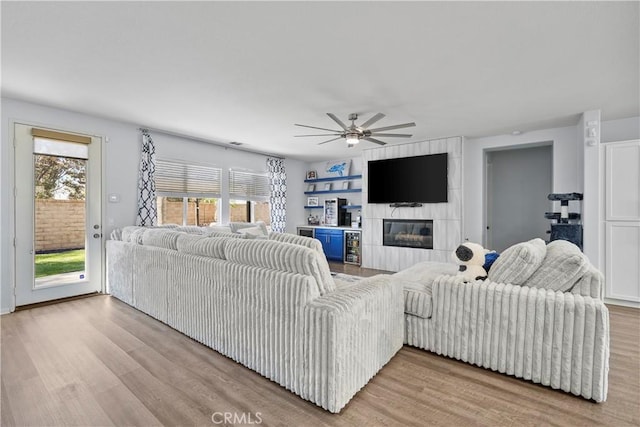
(58,214)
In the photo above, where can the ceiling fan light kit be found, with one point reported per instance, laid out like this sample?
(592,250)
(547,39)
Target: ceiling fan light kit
(353,134)
(352,139)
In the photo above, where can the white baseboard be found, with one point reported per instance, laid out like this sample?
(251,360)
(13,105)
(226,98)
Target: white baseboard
(623,303)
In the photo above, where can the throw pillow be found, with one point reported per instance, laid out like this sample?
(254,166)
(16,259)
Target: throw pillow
(201,245)
(516,264)
(237,226)
(253,233)
(562,267)
(161,238)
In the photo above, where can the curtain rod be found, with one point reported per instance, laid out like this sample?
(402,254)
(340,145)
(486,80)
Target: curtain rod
(208,141)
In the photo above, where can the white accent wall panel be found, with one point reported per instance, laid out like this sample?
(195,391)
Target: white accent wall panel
(447,217)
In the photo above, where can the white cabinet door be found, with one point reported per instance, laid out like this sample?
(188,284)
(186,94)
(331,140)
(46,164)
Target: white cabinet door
(622,221)
(623,260)
(622,185)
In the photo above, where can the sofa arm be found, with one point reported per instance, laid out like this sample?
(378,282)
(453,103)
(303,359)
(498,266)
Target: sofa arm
(349,335)
(120,266)
(558,339)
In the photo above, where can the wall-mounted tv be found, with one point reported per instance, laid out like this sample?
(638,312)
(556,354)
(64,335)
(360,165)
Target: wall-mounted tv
(418,179)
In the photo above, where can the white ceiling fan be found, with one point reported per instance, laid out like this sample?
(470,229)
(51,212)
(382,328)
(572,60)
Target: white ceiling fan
(354,133)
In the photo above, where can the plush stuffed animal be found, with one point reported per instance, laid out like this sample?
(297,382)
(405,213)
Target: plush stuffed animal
(471,258)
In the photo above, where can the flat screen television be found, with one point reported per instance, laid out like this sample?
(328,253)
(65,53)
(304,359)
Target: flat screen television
(418,179)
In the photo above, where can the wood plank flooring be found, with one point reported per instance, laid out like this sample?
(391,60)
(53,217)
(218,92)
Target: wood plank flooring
(97,361)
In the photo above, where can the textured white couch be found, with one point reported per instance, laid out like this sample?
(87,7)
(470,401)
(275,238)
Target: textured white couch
(538,316)
(268,304)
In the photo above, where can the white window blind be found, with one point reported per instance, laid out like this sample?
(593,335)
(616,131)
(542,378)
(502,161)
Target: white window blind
(248,185)
(180,179)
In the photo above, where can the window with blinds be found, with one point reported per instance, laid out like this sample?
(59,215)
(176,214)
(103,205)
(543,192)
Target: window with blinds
(180,179)
(246,185)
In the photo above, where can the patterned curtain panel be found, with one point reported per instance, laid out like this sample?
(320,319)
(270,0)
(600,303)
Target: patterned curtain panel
(147,209)
(278,194)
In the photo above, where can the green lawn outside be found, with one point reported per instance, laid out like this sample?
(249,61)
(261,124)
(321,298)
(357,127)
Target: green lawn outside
(60,262)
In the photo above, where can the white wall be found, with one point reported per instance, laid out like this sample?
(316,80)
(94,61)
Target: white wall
(575,168)
(565,176)
(620,130)
(120,156)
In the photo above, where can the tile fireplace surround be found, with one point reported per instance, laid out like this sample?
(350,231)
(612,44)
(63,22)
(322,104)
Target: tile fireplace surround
(446,217)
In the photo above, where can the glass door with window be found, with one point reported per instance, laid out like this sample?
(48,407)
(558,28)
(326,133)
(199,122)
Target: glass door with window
(58,215)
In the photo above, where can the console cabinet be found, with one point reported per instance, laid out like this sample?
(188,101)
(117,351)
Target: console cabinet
(332,242)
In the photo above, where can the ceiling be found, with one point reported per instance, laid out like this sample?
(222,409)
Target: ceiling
(247,71)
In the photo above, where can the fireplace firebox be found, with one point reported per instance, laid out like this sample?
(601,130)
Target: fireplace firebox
(408,233)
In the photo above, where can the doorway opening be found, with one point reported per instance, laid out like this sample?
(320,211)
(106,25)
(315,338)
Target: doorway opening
(517,183)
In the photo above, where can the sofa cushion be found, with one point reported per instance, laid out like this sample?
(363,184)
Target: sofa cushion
(219,228)
(127,232)
(201,245)
(425,272)
(161,238)
(191,229)
(235,227)
(516,264)
(417,282)
(561,268)
(281,256)
(225,234)
(253,232)
(133,234)
(297,240)
(417,299)
(116,234)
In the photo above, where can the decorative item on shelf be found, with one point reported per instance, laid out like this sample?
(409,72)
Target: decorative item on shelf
(345,185)
(312,175)
(327,186)
(312,201)
(311,187)
(339,167)
(313,220)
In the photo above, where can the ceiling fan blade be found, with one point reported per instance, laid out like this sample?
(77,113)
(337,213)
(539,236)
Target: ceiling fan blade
(337,120)
(319,134)
(372,120)
(404,125)
(324,142)
(375,141)
(393,135)
(314,127)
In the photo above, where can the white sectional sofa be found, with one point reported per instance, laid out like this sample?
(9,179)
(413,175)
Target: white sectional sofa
(270,304)
(538,316)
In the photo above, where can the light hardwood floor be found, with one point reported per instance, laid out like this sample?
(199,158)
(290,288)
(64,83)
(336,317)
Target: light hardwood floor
(97,361)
